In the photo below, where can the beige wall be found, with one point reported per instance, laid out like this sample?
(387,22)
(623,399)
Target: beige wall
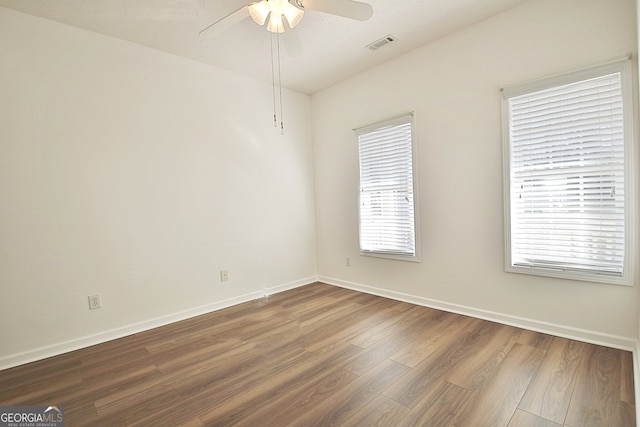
(138,175)
(453,86)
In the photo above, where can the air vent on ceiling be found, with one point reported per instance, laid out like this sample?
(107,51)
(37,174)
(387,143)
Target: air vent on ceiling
(379,43)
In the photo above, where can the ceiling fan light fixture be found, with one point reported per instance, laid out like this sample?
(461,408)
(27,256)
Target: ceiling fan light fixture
(274,10)
(259,12)
(278,7)
(275,24)
(293,15)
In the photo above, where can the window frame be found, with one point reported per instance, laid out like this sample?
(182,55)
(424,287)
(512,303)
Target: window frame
(623,67)
(407,118)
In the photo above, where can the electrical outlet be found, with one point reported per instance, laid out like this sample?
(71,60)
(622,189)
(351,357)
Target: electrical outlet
(347,262)
(224,275)
(94,301)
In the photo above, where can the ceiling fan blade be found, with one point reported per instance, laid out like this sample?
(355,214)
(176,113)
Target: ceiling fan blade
(347,8)
(223,24)
(292,42)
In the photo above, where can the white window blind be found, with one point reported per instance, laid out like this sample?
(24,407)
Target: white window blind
(567,176)
(386,199)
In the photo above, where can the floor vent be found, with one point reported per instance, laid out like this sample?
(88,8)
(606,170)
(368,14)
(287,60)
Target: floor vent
(379,43)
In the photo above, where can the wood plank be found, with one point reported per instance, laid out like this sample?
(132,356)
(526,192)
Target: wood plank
(39,390)
(498,398)
(307,368)
(418,382)
(444,404)
(228,375)
(596,397)
(18,376)
(78,413)
(422,344)
(354,396)
(479,363)
(381,412)
(388,326)
(535,339)
(128,395)
(525,419)
(201,400)
(550,392)
(298,400)
(345,327)
(404,332)
(137,406)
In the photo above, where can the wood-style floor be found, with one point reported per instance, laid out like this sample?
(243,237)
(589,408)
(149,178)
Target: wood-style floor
(322,355)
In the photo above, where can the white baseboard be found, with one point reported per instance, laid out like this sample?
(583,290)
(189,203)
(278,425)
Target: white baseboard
(101,337)
(270,290)
(608,340)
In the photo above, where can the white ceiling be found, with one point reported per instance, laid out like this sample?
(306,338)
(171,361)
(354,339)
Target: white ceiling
(333,46)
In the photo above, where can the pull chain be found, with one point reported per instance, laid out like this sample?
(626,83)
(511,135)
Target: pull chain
(273,80)
(273,85)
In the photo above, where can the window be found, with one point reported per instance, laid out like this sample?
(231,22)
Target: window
(568,162)
(387,189)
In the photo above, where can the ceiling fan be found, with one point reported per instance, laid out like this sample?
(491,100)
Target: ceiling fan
(278,14)
(275,13)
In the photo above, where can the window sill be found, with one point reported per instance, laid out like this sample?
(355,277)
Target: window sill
(396,257)
(607,279)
